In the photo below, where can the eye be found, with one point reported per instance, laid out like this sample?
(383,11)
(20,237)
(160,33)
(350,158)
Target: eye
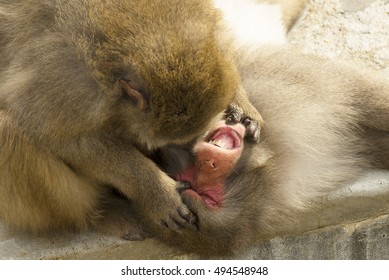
(134,94)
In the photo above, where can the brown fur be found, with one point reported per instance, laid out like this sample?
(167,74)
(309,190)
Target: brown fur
(69,129)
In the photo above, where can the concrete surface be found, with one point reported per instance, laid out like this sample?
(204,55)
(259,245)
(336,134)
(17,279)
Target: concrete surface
(353,225)
(367,240)
(356,30)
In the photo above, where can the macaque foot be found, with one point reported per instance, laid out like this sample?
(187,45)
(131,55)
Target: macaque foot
(182,217)
(234,115)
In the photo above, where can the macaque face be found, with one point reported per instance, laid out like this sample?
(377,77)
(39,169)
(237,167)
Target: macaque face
(215,157)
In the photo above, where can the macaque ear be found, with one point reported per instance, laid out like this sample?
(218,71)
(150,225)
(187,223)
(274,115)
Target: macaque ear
(134,95)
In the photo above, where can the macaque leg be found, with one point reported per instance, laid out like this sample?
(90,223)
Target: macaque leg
(38,191)
(375,104)
(50,196)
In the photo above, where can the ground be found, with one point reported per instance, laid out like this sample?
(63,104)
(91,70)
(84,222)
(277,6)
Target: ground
(355,30)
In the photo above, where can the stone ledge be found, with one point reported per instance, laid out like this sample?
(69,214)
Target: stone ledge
(81,246)
(367,240)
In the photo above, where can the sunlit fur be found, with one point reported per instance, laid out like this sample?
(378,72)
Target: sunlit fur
(67,132)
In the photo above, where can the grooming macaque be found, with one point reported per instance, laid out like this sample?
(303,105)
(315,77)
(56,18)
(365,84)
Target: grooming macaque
(325,123)
(85,88)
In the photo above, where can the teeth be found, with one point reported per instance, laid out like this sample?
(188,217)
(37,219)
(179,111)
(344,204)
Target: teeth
(219,143)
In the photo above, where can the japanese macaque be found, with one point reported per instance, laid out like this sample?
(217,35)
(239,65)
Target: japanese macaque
(326,122)
(85,88)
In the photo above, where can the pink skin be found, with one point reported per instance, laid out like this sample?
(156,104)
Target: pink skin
(216,156)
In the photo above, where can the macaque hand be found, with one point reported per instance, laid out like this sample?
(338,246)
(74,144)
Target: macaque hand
(235,115)
(176,215)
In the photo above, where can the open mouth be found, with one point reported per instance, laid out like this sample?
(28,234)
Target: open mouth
(215,157)
(225,138)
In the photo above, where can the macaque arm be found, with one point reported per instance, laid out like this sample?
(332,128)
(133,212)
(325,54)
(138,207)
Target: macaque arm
(121,165)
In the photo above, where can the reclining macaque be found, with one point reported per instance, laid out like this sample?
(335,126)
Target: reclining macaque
(325,123)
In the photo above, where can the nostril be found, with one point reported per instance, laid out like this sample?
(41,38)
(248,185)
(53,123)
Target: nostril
(208,163)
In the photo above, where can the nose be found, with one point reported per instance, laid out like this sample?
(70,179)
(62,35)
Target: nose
(208,164)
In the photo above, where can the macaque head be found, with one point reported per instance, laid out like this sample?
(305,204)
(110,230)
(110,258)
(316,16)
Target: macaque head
(212,168)
(215,159)
(178,104)
(163,63)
